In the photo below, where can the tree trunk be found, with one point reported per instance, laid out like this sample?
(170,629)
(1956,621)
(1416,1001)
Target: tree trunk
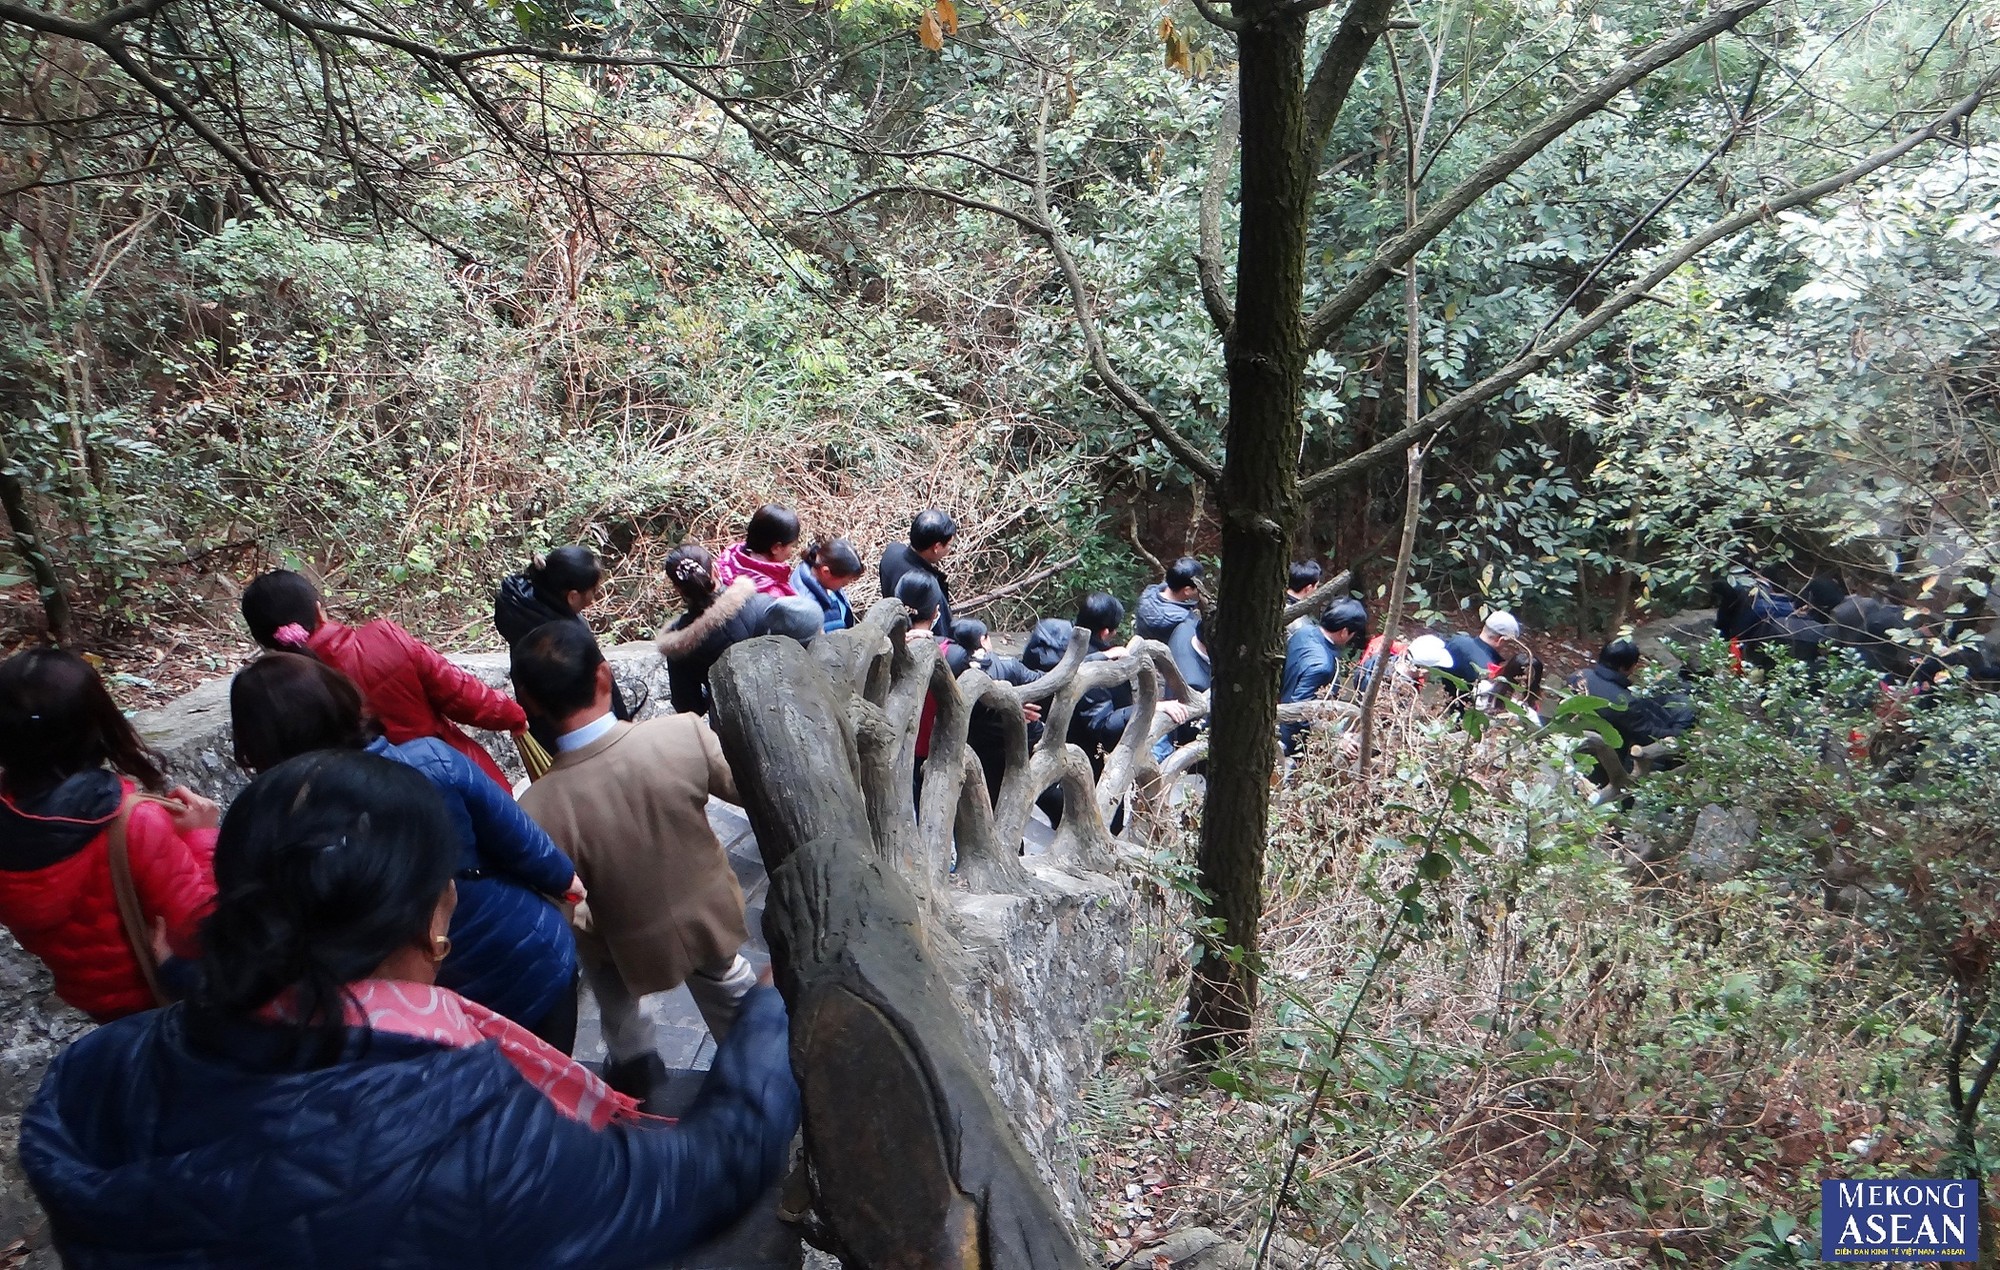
(1259,504)
(28,542)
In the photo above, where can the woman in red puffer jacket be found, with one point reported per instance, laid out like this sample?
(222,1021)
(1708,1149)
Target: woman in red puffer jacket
(69,765)
(410,688)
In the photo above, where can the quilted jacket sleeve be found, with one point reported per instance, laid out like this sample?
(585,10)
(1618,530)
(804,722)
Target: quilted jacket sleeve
(457,695)
(1102,717)
(174,875)
(507,840)
(636,1195)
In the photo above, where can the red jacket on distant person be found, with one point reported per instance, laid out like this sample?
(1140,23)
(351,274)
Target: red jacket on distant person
(56,894)
(414,692)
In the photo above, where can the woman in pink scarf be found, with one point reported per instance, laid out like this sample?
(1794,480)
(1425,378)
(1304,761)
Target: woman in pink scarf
(319,1101)
(765,554)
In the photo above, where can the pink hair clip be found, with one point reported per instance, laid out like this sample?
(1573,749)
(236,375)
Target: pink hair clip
(292,633)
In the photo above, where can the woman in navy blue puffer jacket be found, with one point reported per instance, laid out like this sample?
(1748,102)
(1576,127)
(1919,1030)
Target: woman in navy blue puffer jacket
(512,950)
(319,1101)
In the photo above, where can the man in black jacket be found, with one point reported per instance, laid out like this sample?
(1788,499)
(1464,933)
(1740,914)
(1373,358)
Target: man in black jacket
(931,533)
(1102,713)
(1639,720)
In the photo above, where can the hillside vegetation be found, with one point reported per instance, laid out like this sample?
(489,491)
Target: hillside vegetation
(443,350)
(403,293)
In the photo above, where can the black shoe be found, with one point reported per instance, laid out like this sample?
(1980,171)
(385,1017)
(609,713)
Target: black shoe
(636,1077)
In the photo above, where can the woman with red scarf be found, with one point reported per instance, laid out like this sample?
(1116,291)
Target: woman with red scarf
(320,1101)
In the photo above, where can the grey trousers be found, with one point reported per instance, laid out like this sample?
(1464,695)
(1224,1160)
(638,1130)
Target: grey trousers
(628,1033)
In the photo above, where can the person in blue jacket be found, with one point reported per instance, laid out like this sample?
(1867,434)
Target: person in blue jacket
(825,571)
(1312,659)
(512,950)
(300,1109)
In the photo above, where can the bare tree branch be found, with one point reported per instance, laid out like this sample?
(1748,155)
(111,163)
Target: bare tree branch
(1310,604)
(1208,251)
(1739,122)
(1041,223)
(1374,275)
(1363,24)
(1462,403)
(1036,227)
(1177,444)
(1216,17)
(103,36)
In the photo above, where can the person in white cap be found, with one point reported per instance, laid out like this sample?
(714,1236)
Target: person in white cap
(1428,652)
(1477,657)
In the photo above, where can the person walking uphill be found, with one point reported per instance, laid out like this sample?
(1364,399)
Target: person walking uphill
(1476,658)
(765,554)
(931,535)
(1312,660)
(628,802)
(74,776)
(408,685)
(321,1102)
(556,587)
(511,949)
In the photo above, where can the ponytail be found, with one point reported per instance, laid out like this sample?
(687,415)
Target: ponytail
(836,555)
(921,595)
(282,610)
(691,568)
(326,866)
(564,570)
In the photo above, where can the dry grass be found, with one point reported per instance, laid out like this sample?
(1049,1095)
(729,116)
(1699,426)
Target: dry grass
(1566,1062)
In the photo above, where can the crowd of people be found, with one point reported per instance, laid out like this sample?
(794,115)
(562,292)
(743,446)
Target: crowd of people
(339,1021)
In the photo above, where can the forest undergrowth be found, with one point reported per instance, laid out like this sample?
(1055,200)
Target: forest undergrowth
(1564,1055)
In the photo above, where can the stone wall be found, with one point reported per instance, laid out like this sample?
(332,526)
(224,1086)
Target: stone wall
(1043,971)
(34,1028)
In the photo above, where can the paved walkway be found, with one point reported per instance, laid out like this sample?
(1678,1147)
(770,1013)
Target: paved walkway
(760,1241)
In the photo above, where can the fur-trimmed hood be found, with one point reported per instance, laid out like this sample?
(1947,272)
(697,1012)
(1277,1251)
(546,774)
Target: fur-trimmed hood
(690,632)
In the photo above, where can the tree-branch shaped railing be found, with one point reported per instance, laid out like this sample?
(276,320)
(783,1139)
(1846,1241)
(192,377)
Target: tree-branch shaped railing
(910,1157)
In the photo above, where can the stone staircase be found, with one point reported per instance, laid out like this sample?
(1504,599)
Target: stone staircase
(1037,967)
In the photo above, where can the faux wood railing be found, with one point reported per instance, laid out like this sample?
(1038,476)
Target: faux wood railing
(911,1159)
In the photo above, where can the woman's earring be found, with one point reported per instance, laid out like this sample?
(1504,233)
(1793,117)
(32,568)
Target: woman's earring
(440,947)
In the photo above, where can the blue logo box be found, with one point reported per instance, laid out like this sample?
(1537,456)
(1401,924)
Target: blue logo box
(1899,1219)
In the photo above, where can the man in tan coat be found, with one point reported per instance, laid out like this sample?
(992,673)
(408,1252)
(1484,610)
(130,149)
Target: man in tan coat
(628,803)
